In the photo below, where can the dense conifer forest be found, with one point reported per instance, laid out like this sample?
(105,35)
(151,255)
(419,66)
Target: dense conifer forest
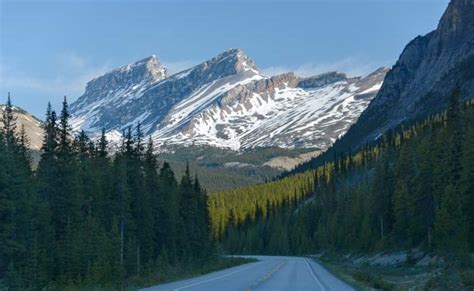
(84,218)
(88,218)
(412,188)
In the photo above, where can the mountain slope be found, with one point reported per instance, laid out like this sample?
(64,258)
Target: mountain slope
(428,69)
(225,102)
(284,111)
(33,126)
(149,100)
(107,97)
(408,192)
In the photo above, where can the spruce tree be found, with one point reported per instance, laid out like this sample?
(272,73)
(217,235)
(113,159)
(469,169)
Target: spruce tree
(467,178)
(450,226)
(103,144)
(9,121)
(170,219)
(7,206)
(188,204)
(155,198)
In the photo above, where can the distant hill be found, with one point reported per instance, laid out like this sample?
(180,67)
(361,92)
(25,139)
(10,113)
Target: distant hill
(33,126)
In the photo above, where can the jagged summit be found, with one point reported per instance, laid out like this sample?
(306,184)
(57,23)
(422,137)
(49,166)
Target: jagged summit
(239,59)
(322,80)
(147,69)
(235,54)
(227,63)
(128,79)
(458,17)
(152,68)
(455,32)
(426,72)
(224,102)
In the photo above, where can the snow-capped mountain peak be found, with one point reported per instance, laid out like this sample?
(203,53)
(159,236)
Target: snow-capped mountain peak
(229,63)
(114,88)
(148,69)
(226,102)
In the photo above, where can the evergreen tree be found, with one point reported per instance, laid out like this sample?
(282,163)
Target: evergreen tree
(9,123)
(156,201)
(188,210)
(85,218)
(450,226)
(410,188)
(467,178)
(103,144)
(167,228)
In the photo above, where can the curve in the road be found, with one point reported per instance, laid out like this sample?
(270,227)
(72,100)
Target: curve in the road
(314,275)
(270,273)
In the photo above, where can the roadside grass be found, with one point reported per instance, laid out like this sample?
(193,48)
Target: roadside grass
(407,276)
(366,277)
(373,281)
(187,271)
(340,272)
(468,279)
(157,275)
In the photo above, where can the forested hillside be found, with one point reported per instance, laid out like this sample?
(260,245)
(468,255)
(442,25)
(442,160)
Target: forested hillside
(223,169)
(244,205)
(83,219)
(429,68)
(414,187)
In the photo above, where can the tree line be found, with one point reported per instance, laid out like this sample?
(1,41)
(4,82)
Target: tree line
(413,188)
(84,217)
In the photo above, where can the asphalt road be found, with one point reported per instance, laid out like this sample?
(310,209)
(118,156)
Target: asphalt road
(269,273)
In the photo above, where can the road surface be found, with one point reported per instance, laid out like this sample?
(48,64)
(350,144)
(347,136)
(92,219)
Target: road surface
(269,273)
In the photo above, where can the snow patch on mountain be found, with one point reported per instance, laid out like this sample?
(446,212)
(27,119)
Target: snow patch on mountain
(224,102)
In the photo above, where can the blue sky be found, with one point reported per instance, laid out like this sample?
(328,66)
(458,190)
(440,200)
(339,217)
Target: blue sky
(51,49)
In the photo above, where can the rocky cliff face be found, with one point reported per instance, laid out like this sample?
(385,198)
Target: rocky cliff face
(143,92)
(276,111)
(426,72)
(126,78)
(225,102)
(322,80)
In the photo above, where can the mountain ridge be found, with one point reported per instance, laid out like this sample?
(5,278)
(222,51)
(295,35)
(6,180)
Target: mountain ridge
(224,102)
(429,68)
(422,70)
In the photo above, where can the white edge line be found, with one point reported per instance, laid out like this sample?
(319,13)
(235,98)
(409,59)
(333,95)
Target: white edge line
(215,278)
(313,275)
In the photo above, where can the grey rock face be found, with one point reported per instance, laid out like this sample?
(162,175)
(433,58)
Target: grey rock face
(322,80)
(143,92)
(146,70)
(426,72)
(276,112)
(243,93)
(224,102)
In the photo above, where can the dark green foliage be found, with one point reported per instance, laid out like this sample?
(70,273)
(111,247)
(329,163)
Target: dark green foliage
(84,219)
(373,281)
(223,169)
(412,188)
(24,216)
